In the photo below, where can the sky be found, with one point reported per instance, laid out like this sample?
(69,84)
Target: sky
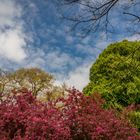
(32,34)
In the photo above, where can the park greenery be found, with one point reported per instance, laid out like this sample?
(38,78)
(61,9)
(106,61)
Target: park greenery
(32,107)
(116,74)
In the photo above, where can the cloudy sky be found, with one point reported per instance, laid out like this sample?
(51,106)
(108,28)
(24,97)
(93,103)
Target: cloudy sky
(32,34)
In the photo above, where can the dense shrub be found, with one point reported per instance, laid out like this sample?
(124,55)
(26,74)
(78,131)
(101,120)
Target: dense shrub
(116,74)
(135,118)
(76,117)
(132,113)
(25,117)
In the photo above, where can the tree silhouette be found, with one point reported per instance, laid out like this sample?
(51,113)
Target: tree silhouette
(94,15)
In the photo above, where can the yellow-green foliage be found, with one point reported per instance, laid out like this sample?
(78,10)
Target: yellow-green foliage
(39,82)
(34,79)
(134,118)
(116,74)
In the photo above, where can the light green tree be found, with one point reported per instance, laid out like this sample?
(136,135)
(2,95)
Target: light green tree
(116,74)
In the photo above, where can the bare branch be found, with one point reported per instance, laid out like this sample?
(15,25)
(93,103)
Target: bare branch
(134,15)
(87,15)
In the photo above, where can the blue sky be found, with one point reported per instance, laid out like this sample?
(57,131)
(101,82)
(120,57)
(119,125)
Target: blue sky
(33,35)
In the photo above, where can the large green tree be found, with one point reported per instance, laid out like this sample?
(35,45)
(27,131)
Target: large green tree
(116,74)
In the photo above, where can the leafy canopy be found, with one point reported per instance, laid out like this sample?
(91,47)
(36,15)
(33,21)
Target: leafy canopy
(116,74)
(39,82)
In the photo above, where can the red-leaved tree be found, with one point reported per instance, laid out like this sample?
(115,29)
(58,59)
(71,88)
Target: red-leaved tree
(76,117)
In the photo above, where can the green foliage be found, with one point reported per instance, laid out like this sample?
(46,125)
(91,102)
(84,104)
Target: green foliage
(132,114)
(116,74)
(134,118)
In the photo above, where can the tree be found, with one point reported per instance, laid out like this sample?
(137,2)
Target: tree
(4,80)
(39,82)
(93,15)
(34,79)
(116,74)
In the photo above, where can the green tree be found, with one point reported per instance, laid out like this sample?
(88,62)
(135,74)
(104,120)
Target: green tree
(116,74)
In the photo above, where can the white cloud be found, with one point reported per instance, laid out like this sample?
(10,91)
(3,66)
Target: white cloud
(8,11)
(11,45)
(86,40)
(58,60)
(92,48)
(12,37)
(124,2)
(79,78)
(134,37)
(37,62)
(101,45)
(69,39)
(36,58)
(88,50)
